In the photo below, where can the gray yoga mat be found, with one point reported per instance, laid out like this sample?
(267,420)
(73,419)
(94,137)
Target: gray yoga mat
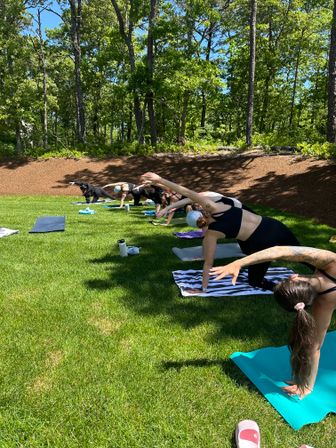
(49,224)
(227,250)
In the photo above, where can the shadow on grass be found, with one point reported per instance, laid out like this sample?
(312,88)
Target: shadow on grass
(235,176)
(150,290)
(227,366)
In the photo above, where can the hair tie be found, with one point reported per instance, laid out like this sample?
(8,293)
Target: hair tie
(299,306)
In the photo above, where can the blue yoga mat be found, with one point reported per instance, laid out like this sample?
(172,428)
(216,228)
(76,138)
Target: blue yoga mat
(268,368)
(49,224)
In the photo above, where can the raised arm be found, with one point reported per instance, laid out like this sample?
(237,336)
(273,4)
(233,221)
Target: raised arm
(173,206)
(319,258)
(114,184)
(205,202)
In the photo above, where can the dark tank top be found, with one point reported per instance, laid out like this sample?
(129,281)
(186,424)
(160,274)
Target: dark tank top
(227,222)
(229,201)
(330,277)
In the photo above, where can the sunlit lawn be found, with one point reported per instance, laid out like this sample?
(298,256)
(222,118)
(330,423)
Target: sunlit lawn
(101,351)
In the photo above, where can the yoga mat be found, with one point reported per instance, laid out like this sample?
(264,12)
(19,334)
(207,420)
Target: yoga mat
(227,250)
(117,207)
(268,368)
(6,232)
(190,235)
(103,201)
(223,288)
(49,224)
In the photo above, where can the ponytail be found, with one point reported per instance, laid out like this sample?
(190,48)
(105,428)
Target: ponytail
(296,296)
(301,341)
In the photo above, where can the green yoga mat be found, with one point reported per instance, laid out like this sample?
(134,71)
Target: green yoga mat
(268,368)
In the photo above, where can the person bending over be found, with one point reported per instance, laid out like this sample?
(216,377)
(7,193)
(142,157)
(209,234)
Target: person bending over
(90,190)
(297,294)
(123,189)
(222,220)
(154,193)
(188,204)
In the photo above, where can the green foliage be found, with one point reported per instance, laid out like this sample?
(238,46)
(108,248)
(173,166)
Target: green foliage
(199,80)
(324,150)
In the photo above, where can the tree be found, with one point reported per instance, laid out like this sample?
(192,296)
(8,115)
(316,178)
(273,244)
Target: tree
(250,101)
(331,123)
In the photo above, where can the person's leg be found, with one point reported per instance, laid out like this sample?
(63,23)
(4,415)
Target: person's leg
(105,194)
(95,197)
(136,198)
(256,276)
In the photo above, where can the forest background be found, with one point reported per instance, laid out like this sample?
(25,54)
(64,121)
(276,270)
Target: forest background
(142,76)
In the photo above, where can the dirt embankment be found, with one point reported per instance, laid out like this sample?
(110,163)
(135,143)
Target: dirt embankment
(306,187)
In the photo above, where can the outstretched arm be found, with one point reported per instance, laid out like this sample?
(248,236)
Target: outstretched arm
(114,184)
(319,258)
(174,205)
(205,202)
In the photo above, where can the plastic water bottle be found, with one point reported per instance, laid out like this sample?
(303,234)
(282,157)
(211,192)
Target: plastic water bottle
(127,207)
(122,248)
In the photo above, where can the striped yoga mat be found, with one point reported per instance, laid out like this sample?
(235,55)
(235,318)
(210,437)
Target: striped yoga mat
(223,288)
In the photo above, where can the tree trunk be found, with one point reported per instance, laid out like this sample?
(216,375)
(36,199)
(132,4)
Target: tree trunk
(331,122)
(127,37)
(250,101)
(150,69)
(297,64)
(44,73)
(207,58)
(181,138)
(76,18)
(129,124)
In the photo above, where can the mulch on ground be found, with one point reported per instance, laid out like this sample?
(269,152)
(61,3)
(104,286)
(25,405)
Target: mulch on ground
(303,186)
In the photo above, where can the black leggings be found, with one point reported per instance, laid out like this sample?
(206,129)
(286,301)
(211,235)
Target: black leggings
(269,233)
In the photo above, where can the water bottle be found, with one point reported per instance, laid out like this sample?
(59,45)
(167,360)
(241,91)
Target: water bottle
(127,207)
(122,248)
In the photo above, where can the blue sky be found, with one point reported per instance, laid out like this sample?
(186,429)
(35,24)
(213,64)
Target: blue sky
(48,19)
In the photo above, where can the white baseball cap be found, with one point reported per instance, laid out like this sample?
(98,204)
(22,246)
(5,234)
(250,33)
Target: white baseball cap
(192,218)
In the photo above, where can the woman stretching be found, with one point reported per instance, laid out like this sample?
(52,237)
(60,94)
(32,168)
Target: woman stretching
(297,293)
(124,189)
(221,220)
(216,197)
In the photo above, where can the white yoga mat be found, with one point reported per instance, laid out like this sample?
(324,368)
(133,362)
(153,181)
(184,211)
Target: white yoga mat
(6,232)
(227,250)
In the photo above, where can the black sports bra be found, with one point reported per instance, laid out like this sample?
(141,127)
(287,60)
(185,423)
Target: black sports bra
(227,222)
(330,277)
(229,201)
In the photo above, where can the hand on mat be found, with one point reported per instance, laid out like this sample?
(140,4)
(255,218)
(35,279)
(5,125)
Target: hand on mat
(232,269)
(293,390)
(161,213)
(152,177)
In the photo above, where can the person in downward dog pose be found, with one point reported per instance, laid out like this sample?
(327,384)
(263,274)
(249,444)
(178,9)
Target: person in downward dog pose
(222,220)
(90,190)
(297,294)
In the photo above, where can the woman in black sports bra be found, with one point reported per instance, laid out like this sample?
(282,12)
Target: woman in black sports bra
(223,219)
(296,294)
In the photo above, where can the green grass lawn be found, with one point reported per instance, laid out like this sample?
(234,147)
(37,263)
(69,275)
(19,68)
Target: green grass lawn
(101,351)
